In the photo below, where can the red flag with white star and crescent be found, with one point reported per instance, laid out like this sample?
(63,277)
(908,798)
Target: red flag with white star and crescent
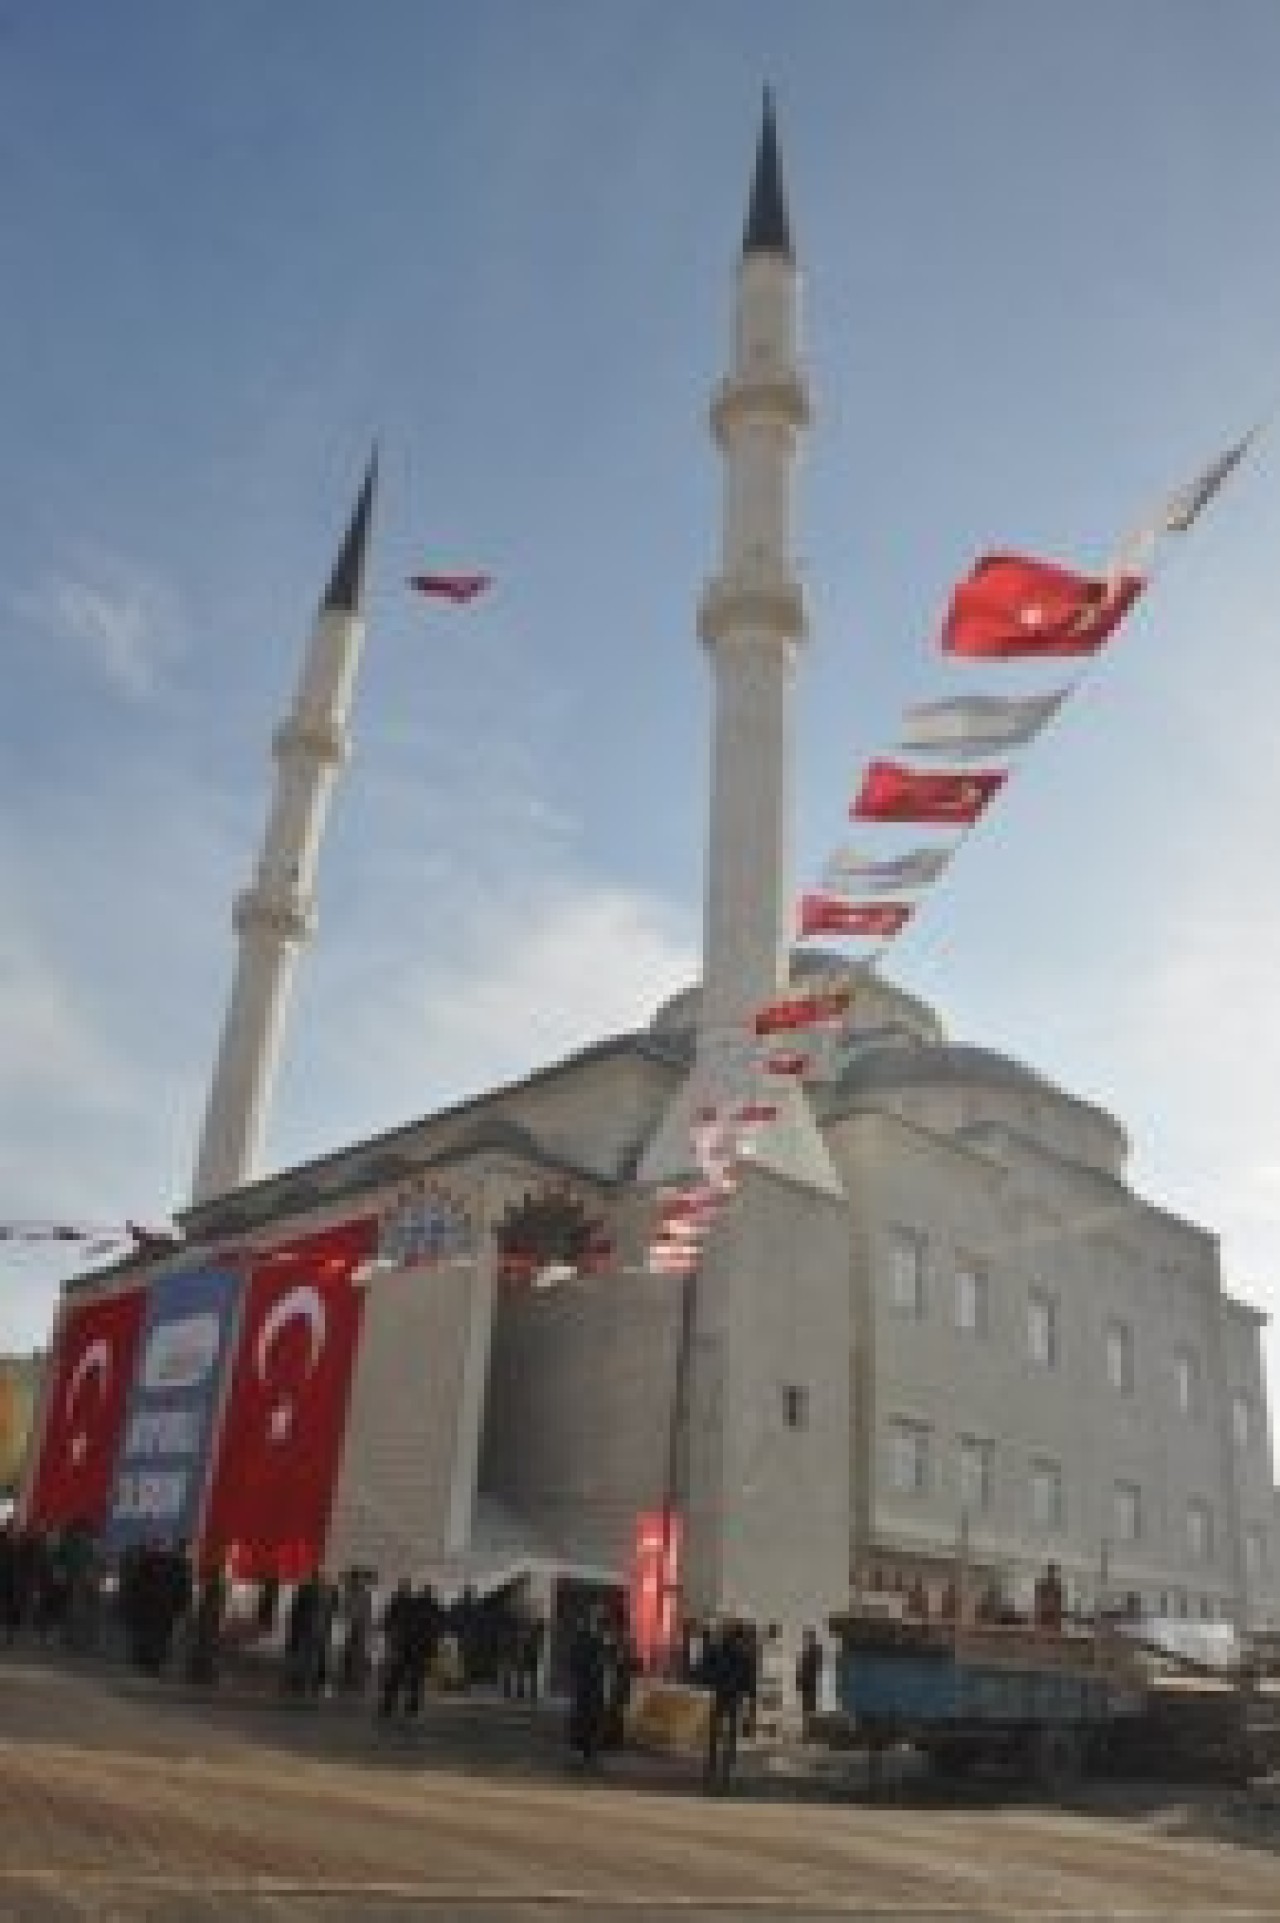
(85,1411)
(891,792)
(1010,606)
(281,1441)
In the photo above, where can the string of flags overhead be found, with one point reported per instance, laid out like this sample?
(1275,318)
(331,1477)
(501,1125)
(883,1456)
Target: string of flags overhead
(90,1240)
(1007,608)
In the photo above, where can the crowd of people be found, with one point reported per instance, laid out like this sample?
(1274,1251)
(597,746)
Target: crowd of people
(164,1613)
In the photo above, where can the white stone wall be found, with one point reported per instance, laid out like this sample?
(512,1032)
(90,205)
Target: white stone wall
(1104,1258)
(578,1410)
(771,1496)
(408,1419)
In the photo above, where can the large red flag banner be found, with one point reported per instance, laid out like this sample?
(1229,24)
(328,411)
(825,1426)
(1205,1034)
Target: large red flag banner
(1009,606)
(86,1408)
(890,792)
(282,1431)
(834,915)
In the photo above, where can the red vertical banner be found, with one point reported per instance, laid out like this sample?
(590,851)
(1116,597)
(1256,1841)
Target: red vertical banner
(655,1585)
(285,1417)
(85,1411)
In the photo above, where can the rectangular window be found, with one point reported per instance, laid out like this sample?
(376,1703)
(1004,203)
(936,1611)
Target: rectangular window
(906,1273)
(1119,1344)
(1255,1555)
(1186,1374)
(1241,1421)
(1047,1506)
(909,1457)
(1126,1512)
(977,1458)
(1042,1329)
(795,1405)
(1199,1531)
(971,1298)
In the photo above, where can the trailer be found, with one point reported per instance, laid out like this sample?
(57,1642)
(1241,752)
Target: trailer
(982,1696)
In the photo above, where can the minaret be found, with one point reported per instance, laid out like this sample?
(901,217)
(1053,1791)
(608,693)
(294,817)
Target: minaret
(277,914)
(752,620)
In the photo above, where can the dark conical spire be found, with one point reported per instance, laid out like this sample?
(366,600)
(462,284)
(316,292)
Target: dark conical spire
(767,230)
(343,593)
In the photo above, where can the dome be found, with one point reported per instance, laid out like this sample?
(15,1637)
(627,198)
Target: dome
(877,1004)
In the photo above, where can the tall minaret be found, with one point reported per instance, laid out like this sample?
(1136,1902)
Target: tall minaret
(277,913)
(752,621)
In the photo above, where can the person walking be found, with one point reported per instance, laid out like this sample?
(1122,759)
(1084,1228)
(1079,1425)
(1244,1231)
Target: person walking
(587,1688)
(395,1647)
(809,1665)
(725,1673)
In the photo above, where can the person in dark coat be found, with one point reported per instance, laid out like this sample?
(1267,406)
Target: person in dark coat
(422,1632)
(10,1613)
(395,1628)
(726,1672)
(587,1686)
(809,1677)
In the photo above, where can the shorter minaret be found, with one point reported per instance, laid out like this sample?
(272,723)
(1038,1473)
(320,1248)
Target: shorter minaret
(277,914)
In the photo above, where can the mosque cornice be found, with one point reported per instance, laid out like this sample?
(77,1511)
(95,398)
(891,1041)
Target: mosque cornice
(773,400)
(730,610)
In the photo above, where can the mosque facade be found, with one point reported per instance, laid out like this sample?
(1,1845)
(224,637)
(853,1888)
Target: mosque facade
(931,1326)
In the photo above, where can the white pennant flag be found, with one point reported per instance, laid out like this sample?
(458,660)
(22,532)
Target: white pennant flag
(978,724)
(848,870)
(1186,503)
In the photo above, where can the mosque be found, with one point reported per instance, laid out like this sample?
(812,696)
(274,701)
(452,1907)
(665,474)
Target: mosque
(927,1318)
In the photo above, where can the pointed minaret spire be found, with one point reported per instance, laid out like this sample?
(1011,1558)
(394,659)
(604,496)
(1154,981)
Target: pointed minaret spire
(343,593)
(276,914)
(767,230)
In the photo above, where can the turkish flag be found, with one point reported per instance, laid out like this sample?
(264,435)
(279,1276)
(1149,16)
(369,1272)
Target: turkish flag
(451,587)
(86,1409)
(890,792)
(833,915)
(1009,606)
(802,1011)
(281,1441)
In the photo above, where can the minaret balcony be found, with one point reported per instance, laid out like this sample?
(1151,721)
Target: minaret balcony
(775,400)
(287,918)
(731,608)
(311,737)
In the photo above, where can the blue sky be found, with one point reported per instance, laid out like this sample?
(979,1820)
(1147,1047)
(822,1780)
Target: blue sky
(238,240)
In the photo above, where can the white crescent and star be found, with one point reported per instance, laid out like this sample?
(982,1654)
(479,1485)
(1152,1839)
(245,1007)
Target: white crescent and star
(95,1360)
(301,1304)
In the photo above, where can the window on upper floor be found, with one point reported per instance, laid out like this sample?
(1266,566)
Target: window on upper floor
(1042,1329)
(906,1273)
(1126,1512)
(1255,1555)
(909,1457)
(1241,1420)
(1119,1347)
(1186,1377)
(1199,1530)
(971,1297)
(1048,1504)
(795,1405)
(977,1464)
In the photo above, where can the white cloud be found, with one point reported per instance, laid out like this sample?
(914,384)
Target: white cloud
(48,1049)
(525,982)
(126,620)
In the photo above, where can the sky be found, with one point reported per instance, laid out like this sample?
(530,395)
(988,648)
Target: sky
(1042,287)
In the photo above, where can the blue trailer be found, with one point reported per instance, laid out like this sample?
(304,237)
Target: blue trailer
(1044,1705)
